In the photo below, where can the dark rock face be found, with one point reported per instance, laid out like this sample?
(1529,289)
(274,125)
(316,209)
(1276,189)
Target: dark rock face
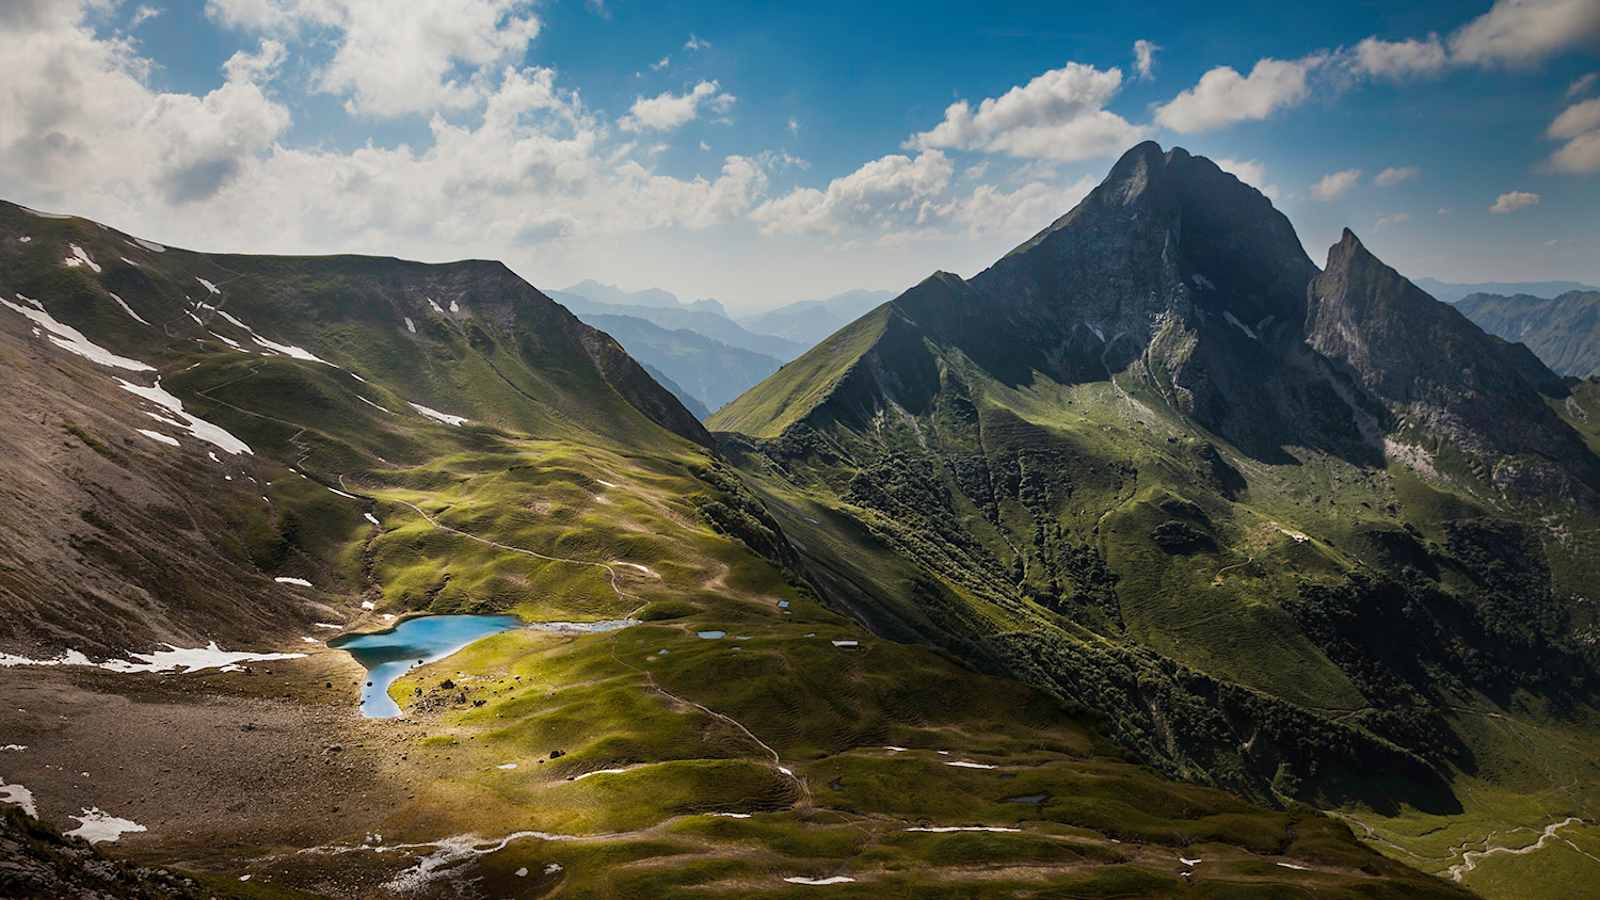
(1443,375)
(37,861)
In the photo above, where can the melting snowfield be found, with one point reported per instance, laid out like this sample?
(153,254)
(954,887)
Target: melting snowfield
(172,659)
(97,827)
(197,427)
(71,339)
(437,416)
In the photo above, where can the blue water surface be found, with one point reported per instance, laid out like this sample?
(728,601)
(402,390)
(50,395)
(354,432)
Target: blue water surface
(389,654)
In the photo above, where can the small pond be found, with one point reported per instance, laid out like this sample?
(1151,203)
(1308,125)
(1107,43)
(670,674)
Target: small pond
(389,654)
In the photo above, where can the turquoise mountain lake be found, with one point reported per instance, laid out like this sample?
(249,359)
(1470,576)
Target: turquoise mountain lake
(388,654)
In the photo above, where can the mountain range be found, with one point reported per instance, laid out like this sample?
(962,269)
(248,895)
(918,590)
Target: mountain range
(1564,331)
(1454,292)
(1154,559)
(1155,461)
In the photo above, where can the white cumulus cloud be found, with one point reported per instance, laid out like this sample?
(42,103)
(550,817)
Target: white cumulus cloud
(1521,32)
(667,111)
(1223,96)
(1395,174)
(1144,57)
(1059,115)
(1398,59)
(395,59)
(1333,184)
(1511,201)
(259,67)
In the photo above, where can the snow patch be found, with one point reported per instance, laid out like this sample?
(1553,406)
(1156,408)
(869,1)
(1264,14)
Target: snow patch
(17,795)
(208,285)
(172,659)
(343,494)
(435,306)
(97,827)
(158,436)
(728,815)
(18,748)
(128,309)
(946,829)
(598,772)
(152,246)
(506,766)
(24,240)
(455,307)
(289,350)
(373,405)
(410,325)
(963,764)
(327,625)
(229,341)
(832,879)
(299,581)
(1191,863)
(1285,865)
(847,644)
(437,416)
(80,257)
(199,428)
(71,339)
(372,518)
(367,604)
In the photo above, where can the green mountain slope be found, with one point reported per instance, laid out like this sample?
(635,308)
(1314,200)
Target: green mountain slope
(442,439)
(1155,462)
(1564,331)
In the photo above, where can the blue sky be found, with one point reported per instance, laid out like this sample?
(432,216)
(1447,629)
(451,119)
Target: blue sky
(766,152)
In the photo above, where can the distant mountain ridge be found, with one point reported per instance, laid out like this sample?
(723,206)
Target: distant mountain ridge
(1564,331)
(662,308)
(809,321)
(707,371)
(1453,292)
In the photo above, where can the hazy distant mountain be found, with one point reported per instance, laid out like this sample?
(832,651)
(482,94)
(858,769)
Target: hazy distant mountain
(689,401)
(701,371)
(1453,292)
(1563,331)
(594,291)
(704,317)
(809,321)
